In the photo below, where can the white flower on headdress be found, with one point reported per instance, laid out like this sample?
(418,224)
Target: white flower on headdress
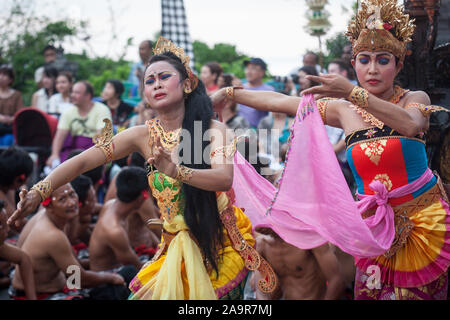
(374,21)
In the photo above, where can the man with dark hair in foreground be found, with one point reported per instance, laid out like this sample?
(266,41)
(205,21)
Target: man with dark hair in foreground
(109,247)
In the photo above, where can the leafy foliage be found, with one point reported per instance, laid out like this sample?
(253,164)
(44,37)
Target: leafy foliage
(225,54)
(99,70)
(335,47)
(23,36)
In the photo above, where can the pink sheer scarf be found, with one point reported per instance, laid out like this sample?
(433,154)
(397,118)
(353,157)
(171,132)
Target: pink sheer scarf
(313,204)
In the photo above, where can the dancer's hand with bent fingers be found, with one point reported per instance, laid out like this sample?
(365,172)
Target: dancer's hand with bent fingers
(333,86)
(29,201)
(162,159)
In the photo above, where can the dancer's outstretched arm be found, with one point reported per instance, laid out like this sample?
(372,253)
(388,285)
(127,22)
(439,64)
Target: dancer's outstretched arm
(126,142)
(407,121)
(261,100)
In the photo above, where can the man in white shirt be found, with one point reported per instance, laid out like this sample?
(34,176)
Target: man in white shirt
(78,124)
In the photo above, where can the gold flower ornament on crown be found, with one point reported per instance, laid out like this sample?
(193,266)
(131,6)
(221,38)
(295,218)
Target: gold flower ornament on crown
(381,25)
(164,45)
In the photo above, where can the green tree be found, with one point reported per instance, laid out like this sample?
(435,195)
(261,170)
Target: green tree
(335,46)
(99,70)
(225,54)
(23,36)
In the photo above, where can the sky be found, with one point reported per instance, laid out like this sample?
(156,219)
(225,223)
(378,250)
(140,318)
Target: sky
(270,29)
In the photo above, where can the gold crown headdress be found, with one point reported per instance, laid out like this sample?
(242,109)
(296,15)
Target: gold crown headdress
(165,45)
(381,25)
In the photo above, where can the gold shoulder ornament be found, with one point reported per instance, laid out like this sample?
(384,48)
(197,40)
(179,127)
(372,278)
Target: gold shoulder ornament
(104,140)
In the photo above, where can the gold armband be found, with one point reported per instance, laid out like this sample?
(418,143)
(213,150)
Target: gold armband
(426,110)
(359,97)
(104,140)
(230,92)
(322,105)
(44,188)
(184,173)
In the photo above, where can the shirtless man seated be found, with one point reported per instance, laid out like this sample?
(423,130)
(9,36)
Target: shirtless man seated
(110,247)
(14,255)
(303,274)
(80,230)
(142,238)
(15,168)
(50,250)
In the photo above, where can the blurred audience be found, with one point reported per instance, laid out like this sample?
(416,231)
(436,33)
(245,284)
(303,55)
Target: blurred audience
(230,114)
(343,68)
(255,71)
(136,75)
(10,103)
(306,83)
(50,54)
(120,111)
(144,113)
(60,101)
(210,74)
(41,98)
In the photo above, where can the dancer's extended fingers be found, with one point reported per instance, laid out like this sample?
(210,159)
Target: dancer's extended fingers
(317,79)
(13,218)
(313,90)
(23,193)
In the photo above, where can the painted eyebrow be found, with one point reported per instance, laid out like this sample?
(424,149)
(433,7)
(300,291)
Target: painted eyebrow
(377,56)
(152,75)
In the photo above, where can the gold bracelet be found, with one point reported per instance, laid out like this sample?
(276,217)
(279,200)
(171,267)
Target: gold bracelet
(184,173)
(230,92)
(359,97)
(44,188)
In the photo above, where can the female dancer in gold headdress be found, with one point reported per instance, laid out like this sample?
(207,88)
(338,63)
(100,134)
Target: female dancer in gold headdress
(207,244)
(385,127)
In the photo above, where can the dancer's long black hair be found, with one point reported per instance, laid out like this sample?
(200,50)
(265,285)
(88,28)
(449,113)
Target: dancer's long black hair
(201,213)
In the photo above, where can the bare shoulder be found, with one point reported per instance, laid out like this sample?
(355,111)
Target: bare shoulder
(115,234)
(54,235)
(417,97)
(333,110)
(136,131)
(107,222)
(49,237)
(136,136)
